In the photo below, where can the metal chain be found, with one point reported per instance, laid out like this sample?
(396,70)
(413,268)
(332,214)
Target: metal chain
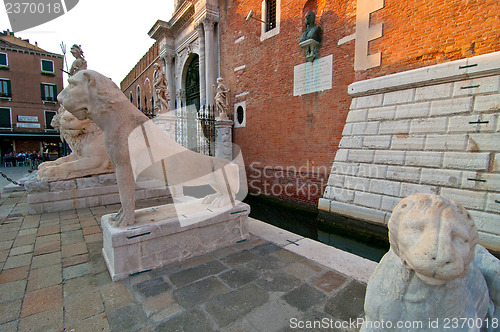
(10,180)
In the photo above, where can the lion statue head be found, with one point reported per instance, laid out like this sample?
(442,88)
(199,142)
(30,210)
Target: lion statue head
(433,236)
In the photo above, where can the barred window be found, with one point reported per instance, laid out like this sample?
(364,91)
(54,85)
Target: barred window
(270,14)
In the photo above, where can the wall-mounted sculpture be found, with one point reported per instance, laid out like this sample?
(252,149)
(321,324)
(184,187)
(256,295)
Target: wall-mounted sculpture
(434,272)
(161,94)
(136,146)
(310,40)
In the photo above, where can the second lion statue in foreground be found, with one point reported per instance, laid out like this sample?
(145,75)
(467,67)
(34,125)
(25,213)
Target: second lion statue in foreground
(136,146)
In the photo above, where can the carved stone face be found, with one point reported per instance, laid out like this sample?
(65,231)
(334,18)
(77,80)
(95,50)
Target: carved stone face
(76,97)
(434,236)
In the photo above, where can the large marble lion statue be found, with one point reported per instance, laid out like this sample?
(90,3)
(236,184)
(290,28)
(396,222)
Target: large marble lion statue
(435,276)
(88,155)
(136,146)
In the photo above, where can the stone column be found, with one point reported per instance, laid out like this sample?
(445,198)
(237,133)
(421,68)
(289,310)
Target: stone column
(169,59)
(208,25)
(223,138)
(203,81)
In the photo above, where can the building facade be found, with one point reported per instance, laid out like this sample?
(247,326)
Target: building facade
(401,98)
(30,79)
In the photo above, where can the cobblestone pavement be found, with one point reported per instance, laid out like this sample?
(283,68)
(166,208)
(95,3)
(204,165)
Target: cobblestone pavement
(53,278)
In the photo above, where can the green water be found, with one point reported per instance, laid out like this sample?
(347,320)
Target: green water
(304,222)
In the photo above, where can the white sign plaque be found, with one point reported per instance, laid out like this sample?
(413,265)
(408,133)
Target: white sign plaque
(27,118)
(28,125)
(313,76)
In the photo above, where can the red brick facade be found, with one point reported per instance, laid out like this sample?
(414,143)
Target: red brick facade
(24,72)
(142,76)
(286,131)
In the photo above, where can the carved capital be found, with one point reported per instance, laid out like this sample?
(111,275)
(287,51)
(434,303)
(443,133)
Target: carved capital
(209,23)
(168,57)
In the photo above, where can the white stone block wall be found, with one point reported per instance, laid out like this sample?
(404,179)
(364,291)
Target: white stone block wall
(430,130)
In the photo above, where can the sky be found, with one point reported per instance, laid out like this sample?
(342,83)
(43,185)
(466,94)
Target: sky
(113,33)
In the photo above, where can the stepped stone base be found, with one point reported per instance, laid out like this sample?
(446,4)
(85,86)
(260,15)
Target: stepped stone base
(97,190)
(171,233)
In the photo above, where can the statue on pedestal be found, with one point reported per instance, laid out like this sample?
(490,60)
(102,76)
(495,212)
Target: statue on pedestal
(221,99)
(161,94)
(434,273)
(80,63)
(311,38)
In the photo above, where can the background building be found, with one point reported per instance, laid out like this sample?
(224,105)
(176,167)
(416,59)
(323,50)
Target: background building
(30,79)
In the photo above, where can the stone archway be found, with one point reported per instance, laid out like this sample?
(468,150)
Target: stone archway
(192,82)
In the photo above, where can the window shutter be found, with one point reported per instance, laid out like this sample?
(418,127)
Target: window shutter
(42,90)
(5,118)
(9,90)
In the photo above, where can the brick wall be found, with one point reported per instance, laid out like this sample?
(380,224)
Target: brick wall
(142,75)
(420,33)
(282,130)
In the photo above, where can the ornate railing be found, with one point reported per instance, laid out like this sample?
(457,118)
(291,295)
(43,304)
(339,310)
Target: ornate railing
(196,129)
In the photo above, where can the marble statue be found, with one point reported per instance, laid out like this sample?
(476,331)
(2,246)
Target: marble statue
(80,63)
(311,38)
(221,99)
(88,155)
(434,272)
(86,140)
(136,146)
(161,94)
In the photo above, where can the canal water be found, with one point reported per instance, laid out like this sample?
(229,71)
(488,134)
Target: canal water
(304,222)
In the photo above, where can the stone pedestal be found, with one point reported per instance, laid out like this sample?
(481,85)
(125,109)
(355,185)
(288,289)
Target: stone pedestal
(166,121)
(224,138)
(91,191)
(171,233)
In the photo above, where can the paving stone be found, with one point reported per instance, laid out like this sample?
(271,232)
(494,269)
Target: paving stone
(227,308)
(17,261)
(70,227)
(6,245)
(128,318)
(94,249)
(77,270)
(72,237)
(187,276)
(190,321)
(300,270)
(288,256)
(198,260)
(158,303)
(115,295)
(348,303)
(18,273)
(47,239)
(44,277)
(94,323)
(21,250)
(6,236)
(329,281)
(91,230)
(304,297)
(83,306)
(267,263)
(46,260)
(103,278)
(48,229)
(3,255)
(239,277)
(278,282)
(265,249)
(50,320)
(24,240)
(150,288)
(79,285)
(42,300)
(10,311)
(239,258)
(317,321)
(47,248)
(74,249)
(9,327)
(237,327)
(92,238)
(75,260)
(272,316)
(199,292)
(223,252)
